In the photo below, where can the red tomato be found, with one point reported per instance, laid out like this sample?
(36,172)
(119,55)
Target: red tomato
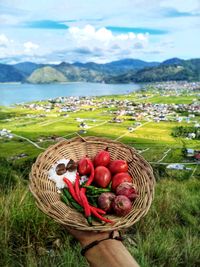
(102,176)
(120,178)
(117,166)
(102,158)
(83,167)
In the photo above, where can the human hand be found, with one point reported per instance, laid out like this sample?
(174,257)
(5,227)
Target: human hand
(86,237)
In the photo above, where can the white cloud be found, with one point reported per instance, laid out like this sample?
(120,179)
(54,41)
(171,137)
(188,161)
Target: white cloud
(4,41)
(29,47)
(104,44)
(102,35)
(17,51)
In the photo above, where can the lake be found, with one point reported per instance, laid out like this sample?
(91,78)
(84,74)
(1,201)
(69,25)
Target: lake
(11,93)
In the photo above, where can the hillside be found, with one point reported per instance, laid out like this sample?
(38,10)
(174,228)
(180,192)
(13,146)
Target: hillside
(27,67)
(118,67)
(46,75)
(167,71)
(73,73)
(121,71)
(9,74)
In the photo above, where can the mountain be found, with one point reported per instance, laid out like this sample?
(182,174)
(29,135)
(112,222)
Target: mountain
(121,71)
(127,64)
(46,75)
(75,73)
(8,73)
(119,66)
(178,70)
(65,72)
(173,61)
(27,67)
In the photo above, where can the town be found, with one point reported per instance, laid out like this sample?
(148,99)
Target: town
(125,118)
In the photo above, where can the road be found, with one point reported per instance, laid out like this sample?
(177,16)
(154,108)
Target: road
(28,140)
(136,128)
(165,155)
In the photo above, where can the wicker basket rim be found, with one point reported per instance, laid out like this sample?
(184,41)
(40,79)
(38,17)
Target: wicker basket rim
(89,140)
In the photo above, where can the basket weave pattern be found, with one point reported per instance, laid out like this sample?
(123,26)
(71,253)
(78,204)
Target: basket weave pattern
(48,199)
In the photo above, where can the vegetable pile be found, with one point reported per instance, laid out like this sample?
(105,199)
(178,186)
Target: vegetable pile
(100,186)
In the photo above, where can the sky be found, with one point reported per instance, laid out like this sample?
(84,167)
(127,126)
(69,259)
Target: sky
(52,31)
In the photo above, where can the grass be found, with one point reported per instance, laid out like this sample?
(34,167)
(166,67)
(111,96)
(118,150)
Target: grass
(15,147)
(167,236)
(29,238)
(171,99)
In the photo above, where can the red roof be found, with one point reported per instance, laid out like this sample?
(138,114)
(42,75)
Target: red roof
(197,156)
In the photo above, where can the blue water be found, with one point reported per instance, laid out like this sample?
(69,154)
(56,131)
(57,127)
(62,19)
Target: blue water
(19,93)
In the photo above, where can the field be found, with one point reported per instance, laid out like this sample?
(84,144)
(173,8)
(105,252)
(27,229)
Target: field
(167,237)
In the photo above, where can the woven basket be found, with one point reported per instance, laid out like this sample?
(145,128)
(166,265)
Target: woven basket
(48,199)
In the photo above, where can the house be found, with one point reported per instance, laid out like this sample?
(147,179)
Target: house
(187,119)
(20,156)
(117,120)
(190,152)
(82,132)
(130,129)
(197,156)
(83,125)
(162,118)
(6,133)
(64,109)
(179,119)
(191,135)
(176,166)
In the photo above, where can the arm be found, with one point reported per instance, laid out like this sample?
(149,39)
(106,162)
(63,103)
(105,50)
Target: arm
(108,253)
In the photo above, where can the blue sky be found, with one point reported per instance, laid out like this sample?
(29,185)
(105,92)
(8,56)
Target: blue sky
(99,31)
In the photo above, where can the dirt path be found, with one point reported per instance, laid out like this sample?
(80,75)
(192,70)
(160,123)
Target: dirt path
(168,163)
(165,155)
(144,150)
(91,127)
(194,171)
(28,140)
(119,137)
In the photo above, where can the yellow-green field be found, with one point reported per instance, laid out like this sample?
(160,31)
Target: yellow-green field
(152,139)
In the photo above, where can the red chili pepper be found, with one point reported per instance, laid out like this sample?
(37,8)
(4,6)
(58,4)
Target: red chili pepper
(86,206)
(98,210)
(91,178)
(77,187)
(99,216)
(71,189)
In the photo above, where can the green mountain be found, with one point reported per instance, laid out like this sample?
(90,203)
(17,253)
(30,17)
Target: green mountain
(173,61)
(46,75)
(121,71)
(74,73)
(27,67)
(64,72)
(9,74)
(176,70)
(118,67)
